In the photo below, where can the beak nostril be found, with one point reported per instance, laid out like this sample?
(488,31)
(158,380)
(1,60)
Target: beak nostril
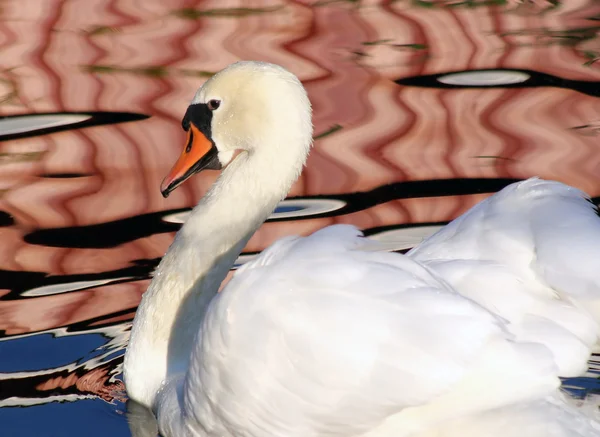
(188,147)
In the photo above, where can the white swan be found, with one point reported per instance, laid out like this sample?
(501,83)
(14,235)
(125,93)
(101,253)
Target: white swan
(314,337)
(531,255)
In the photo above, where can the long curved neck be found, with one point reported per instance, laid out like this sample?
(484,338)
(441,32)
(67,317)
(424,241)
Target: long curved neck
(192,270)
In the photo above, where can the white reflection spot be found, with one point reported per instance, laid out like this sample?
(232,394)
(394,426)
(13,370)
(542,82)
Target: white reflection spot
(286,209)
(28,123)
(484,78)
(47,290)
(405,238)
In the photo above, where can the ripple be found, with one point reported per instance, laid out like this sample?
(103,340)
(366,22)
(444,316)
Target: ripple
(114,233)
(19,124)
(47,290)
(500,78)
(28,125)
(287,209)
(484,78)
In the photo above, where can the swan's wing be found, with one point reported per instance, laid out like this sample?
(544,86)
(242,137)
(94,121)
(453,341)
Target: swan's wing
(544,229)
(317,338)
(530,254)
(553,416)
(532,317)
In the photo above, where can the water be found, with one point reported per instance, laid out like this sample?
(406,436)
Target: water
(422,108)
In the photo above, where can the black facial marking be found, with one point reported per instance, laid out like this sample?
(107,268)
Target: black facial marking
(201,116)
(185,123)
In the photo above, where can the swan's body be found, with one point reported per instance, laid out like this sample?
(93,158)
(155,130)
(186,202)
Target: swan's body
(316,337)
(531,255)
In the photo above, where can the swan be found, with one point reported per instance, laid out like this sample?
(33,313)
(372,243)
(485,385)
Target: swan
(529,254)
(321,335)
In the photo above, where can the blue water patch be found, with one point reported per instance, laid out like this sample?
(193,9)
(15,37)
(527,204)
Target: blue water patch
(580,387)
(88,417)
(289,208)
(44,351)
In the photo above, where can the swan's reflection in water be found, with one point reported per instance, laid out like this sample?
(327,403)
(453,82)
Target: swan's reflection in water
(141,420)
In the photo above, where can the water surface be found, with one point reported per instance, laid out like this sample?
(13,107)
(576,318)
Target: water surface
(422,108)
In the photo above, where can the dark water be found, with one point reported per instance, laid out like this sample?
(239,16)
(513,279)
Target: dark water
(422,108)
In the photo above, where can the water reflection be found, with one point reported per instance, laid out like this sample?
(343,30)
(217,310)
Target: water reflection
(501,79)
(404,143)
(141,420)
(33,372)
(29,125)
(111,234)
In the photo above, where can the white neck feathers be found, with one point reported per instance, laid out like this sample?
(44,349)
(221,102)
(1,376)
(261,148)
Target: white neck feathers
(189,275)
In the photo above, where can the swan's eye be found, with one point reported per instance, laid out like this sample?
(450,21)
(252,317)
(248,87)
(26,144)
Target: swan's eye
(214,104)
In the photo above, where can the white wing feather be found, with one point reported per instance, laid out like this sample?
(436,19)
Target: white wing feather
(317,338)
(530,254)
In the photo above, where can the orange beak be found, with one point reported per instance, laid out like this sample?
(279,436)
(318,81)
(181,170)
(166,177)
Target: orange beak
(199,154)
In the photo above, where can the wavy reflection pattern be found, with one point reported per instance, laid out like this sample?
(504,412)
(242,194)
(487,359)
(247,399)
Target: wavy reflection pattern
(149,57)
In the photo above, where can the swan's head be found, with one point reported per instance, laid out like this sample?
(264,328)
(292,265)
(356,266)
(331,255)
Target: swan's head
(250,111)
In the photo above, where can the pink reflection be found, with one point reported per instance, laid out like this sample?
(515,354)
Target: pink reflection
(62,56)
